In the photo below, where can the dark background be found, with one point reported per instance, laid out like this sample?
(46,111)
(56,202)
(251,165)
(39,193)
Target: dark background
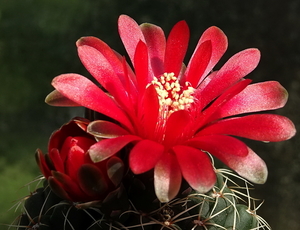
(37,42)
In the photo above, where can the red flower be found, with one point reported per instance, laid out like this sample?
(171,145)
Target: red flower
(175,114)
(70,172)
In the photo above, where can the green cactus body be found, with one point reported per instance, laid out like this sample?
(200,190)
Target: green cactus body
(134,206)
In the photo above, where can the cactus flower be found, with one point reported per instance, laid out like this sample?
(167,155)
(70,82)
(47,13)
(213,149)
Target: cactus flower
(175,114)
(69,170)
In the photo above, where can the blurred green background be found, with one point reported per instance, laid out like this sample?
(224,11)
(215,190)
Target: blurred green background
(37,42)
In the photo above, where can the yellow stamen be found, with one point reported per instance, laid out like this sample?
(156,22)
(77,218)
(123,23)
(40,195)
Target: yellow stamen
(172,96)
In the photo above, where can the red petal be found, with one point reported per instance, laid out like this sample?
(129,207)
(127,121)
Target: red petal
(100,68)
(167,178)
(176,127)
(156,43)
(40,159)
(115,170)
(108,147)
(196,168)
(219,145)
(55,98)
(176,47)
(113,58)
(82,91)
(144,156)
(69,186)
(106,51)
(141,66)
(234,69)
(251,166)
(254,98)
(105,129)
(263,127)
(130,34)
(75,159)
(148,112)
(57,161)
(57,188)
(219,45)
(92,181)
(198,64)
(210,113)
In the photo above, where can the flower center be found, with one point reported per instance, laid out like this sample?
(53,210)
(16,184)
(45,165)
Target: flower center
(172,96)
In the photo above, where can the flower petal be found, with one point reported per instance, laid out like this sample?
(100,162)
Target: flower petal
(57,188)
(167,178)
(196,168)
(198,64)
(262,127)
(156,43)
(144,156)
(105,129)
(108,147)
(92,181)
(56,160)
(100,68)
(251,166)
(219,45)
(176,126)
(141,66)
(210,113)
(40,159)
(82,91)
(68,185)
(115,60)
(55,98)
(254,98)
(115,170)
(237,67)
(148,112)
(130,34)
(219,145)
(176,47)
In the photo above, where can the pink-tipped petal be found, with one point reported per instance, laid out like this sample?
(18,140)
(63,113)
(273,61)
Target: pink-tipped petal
(210,113)
(144,156)
(262,127)
(106,51)
(176,47)
(84,92)
(196,168)
(167,178)
(108,147)
(237,67)
(100,68)
(198,64)
(219,145)
(156,43)
(254,98)
(105,129)
(251,166)
(130,34)
(55,98)
(219,45)
(115,60)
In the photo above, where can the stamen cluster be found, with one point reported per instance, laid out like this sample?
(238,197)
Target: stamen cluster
(172,96)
